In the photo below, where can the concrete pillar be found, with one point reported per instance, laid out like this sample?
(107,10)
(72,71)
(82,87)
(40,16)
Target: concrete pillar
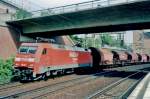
(9,41)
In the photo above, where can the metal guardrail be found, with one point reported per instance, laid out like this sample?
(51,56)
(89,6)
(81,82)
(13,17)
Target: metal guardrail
(14,3)
(24,4)
(74,8)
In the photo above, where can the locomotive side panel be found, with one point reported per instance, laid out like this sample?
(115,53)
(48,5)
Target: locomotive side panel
(61,58)
(84,59)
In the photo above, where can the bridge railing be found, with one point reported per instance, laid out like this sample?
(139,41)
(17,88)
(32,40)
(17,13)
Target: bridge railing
(26,5)
(14,3)
(73,8)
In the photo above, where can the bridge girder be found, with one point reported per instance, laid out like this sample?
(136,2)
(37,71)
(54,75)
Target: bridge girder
(129,16)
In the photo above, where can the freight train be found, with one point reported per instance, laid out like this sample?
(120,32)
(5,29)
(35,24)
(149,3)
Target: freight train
(41,60)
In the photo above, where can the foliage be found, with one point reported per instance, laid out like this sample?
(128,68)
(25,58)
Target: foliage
(6,70)
(100,40)
(86,41)
(20,14)
(107,39)
(77,40)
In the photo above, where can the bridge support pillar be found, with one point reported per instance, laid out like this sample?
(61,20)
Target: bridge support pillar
(9,42)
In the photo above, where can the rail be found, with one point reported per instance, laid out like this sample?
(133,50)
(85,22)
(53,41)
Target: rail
(14,3)
(17,94)
(111,86)
(74,8)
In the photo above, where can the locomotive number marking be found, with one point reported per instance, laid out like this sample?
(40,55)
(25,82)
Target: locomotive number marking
(74,56)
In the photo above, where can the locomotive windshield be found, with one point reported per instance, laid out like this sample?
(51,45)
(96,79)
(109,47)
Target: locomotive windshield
(27,49)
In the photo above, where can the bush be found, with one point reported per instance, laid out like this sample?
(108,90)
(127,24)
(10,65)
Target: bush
(6,70)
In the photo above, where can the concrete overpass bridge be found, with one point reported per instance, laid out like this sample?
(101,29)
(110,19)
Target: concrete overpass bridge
(88,17)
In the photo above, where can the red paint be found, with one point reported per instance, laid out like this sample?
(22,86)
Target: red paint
(53,57)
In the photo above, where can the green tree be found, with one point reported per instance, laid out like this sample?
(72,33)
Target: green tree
(6,70)
(77,40)
(98,41)
(107,39)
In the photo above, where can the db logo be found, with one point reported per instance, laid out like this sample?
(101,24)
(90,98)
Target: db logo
(73,54)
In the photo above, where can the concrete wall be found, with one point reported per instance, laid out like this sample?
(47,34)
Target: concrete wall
(5,6)
(6,11)
(137,41)
(4,17)
(147,46)
(9,38)
(140,44)
(8,42)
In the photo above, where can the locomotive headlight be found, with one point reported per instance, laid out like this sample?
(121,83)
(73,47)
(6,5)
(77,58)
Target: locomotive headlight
(31,59)
(31,65)
(16,64)
(17,59)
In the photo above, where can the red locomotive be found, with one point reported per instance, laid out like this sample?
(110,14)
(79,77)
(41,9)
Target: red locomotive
(39,60)
(35,60)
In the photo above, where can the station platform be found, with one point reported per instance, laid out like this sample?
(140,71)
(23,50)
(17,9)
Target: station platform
(142,90)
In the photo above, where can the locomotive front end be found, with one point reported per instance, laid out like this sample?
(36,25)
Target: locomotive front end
(24,62)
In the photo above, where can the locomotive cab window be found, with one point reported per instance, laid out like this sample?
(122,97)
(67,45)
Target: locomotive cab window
(27,49)
(44,51)
(32,50)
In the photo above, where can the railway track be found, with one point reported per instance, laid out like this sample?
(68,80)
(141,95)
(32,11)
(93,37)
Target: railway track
(59,86)
(18,87)
(6,84)
(9,86)
(71,85)
(139,67)
(119,89)
(81,91)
